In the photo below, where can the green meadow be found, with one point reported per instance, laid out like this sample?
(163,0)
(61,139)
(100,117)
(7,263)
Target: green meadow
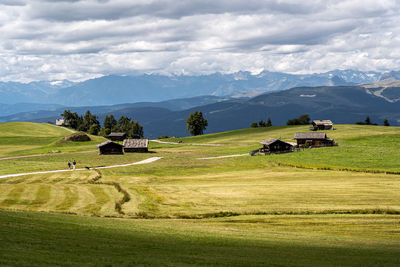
(336,206)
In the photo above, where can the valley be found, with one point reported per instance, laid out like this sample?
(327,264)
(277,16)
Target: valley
(325,206)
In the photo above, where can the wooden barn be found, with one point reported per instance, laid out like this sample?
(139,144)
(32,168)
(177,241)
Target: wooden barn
(313,139)
(110,148)
(321,125)
(272,145)
(117,136)
(136,145)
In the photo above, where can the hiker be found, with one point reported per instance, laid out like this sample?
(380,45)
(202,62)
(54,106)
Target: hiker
(69,164)
(74,164)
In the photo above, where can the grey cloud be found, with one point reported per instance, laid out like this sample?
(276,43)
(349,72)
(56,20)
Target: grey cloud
(86,38)
(112,10)
(12,2)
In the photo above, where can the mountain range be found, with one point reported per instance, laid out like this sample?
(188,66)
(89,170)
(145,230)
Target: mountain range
(114,89)
(341,104)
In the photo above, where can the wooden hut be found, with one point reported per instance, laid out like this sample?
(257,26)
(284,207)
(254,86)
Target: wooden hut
(110,148)
(272,145)
(117,136)
(313,139)
(321,125)
(136,145)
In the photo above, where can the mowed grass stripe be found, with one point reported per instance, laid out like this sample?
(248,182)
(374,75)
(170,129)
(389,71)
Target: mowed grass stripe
(56,195)
(85,197)
(28,196)
(131,208)
(42,196)
(13,196)
(5,189)
(71,196)
(100,199)
(108,209)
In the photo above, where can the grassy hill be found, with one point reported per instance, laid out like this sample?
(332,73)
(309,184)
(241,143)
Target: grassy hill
(328,206)
(26,138)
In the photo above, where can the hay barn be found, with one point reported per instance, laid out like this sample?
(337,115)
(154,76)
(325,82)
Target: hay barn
(321,125)
(136,145)
(117,136)
(313,139)
(110,148)
(272,145)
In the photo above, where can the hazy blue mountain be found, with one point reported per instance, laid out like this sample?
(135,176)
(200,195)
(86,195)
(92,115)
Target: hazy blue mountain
(34,92)
(46,113)
(113,89)
(341,104)
(390,76)
(8,109)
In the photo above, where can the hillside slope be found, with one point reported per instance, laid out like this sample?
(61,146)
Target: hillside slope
(341,104)
(339,206)
(26,138)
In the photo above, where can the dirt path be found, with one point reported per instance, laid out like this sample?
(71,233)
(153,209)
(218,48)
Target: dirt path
(190,144)
(65,128)
(149,160)
(227,156)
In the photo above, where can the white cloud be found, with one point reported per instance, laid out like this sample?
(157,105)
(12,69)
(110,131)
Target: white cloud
(79,39)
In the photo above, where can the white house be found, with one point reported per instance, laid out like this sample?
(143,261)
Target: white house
(59,122)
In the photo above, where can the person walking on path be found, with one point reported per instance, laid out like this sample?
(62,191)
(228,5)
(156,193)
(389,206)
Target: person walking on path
(74,164)
(69,164)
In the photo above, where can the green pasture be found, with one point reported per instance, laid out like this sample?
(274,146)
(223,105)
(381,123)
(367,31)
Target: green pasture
(26,138)
(335,206)
(45,239)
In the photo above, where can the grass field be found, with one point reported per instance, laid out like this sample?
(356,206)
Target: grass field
(330,206)
(331,240)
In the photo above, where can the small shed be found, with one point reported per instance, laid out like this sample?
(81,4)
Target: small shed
(110,148)
(114,136)
(313,139)
(272,145)
(321,125)
(136,145)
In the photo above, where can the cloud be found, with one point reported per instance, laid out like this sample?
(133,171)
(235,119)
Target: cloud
(79,39)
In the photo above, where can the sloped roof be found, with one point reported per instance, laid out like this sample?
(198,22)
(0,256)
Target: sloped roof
(106,143)
(273,140)
(322,122)
(135,143)
(269,141)
(309,136)
(117,134)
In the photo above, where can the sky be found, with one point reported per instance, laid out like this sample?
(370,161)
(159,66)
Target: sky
(82,39)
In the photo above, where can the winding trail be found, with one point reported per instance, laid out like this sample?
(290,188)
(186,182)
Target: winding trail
(227,156)
(65,128)
(149,160)
(189,144)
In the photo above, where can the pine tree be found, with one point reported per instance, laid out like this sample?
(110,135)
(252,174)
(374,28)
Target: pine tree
(195,123)
(269,123)
(386,123)
(368,121)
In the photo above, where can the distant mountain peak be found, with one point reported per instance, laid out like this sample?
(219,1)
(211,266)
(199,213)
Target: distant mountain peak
(390,76)
(115,89)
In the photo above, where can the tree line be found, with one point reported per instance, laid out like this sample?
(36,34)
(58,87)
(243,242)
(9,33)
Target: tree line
(305,120)
(89,123)
(261,123)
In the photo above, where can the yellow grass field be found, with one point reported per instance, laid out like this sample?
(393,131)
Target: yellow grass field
(337,199)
